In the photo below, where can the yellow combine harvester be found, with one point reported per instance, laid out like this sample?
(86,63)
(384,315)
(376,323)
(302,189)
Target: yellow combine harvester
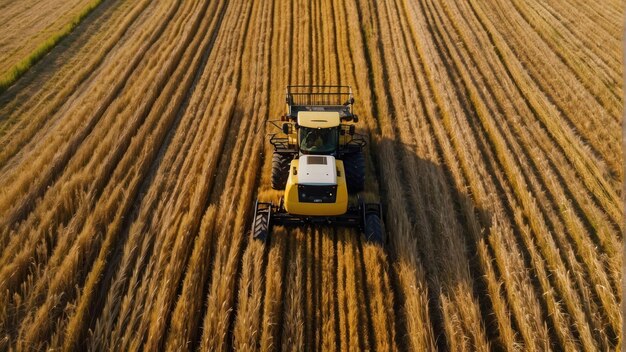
(318,161)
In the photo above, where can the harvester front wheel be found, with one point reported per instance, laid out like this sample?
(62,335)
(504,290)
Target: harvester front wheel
(373,228)
(280,170)
(354,164)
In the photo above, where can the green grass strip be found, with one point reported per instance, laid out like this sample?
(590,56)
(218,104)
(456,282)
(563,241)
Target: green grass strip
(19,69)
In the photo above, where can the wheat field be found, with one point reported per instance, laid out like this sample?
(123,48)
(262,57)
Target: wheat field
(133,147)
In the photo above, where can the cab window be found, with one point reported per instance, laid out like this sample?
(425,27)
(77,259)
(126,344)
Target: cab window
(318,140)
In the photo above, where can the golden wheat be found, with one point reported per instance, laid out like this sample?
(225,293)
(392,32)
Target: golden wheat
(131,154)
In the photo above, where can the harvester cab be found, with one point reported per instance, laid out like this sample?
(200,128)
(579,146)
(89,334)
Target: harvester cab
(318,161)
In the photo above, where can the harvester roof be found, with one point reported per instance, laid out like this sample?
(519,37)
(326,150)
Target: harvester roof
(318,119)
(317,170)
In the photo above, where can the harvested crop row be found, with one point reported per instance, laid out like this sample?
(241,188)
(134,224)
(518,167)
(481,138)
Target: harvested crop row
(374,277)
(55,151)
(31,234)
(489,129)
(576,230)
(562,88)
(27,25)
(49,87)
(164,123)
(239,183)
(128,174)
(597,35)
(600,80)
(205,108)
(611,305)
(259,316)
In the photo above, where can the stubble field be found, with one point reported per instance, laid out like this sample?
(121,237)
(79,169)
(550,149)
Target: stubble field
(132,153)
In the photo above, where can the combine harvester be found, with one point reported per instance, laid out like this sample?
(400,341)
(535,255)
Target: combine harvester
(318,161)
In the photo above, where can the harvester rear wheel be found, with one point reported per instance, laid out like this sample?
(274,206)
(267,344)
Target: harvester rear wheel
(354,164)
(280,170)
(260,226)
(373,228)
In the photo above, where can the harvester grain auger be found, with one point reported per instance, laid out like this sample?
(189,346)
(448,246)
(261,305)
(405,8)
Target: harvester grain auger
(318,161)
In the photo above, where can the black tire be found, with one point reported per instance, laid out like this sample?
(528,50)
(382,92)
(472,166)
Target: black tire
(280,170)
(374,229)
(260,226)
(354,164)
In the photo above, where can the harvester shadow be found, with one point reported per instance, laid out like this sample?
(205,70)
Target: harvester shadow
(422,205)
